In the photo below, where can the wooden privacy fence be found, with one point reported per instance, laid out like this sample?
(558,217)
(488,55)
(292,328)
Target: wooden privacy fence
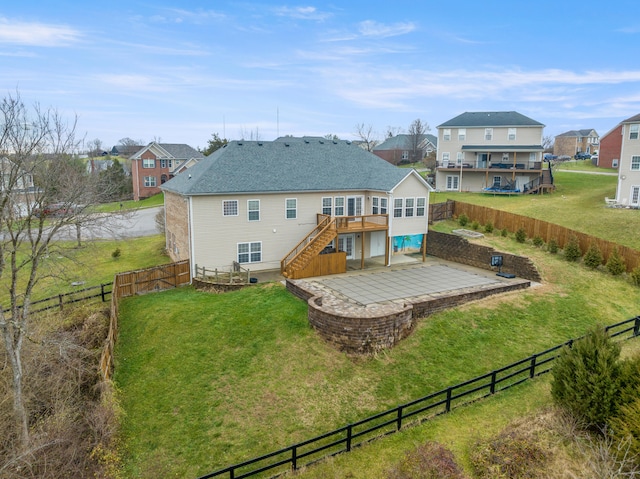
(138,282)
(441,211)
(358,433)
(545,230)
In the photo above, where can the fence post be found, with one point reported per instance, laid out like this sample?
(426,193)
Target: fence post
(294,458)
(61,302)
(492,389)
(102,292)
(349,430)
(532,369)
(636,327)
(399,420)
(447,407)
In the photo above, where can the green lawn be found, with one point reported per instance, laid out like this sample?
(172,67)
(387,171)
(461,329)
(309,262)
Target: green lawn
(156,200)
(209,380)
(578,203)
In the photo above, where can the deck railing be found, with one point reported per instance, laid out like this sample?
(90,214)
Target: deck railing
(362,222)
(324,224)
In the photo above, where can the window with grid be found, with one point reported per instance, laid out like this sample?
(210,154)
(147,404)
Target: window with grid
(409,204)
(445,157)
(291,208)
(462,134)
(339,206)
(375,205)
(149,163)
(230,208)
(250,252)
(253,210)
(460,157)
(633,132)
(405,155)
(635,162)
(163,163)
(446,134)
(421,204)
(397,207)
(327,206)
(488,134)
(149,181)
(452,183)
(635,195)
(383,205)
(511,135)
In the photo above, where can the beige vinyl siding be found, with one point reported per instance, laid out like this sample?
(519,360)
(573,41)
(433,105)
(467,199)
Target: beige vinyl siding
(630,148)
(410,187)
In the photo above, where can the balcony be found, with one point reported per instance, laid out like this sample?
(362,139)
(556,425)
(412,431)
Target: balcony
(491,167)
(357,224)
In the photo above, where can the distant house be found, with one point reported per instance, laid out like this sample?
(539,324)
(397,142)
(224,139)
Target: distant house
(95,166)
(497,152)
(397,149)
(611,144)
(628,189)
(286,203)
(13,177)
(157,163)
(125,151)
(576,141)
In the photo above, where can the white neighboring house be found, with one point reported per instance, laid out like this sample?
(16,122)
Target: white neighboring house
(21,181)
(628,189)
(252,202)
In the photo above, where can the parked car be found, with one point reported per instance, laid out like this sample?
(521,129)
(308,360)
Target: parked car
(56,210)
(550,157)
(582,156)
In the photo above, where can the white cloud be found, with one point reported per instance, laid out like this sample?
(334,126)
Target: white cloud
(37,34)
(302,13)
(370,28)
(179,15)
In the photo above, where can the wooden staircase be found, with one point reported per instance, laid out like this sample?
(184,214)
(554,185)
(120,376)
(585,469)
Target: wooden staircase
(311,245)
(545,184)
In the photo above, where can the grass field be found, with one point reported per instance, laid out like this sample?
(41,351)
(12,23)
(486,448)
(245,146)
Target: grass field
(209,380)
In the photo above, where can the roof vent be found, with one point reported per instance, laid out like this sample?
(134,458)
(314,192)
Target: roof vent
(286,144)
(239,143)
(306,141)
(321,142)
(259,143)
(335,142)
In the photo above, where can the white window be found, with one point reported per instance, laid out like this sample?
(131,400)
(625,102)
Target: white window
(446,134)
(462,134)
(511,135)
(633,131)
(170,164)
(505,157)
(339,206)
(149,163)
(452,183)
(635,195)
(405,155)
(163,163)
(383,205)
(460,157)
(253,210)
(421,204)
(375,205)
(488,134)
(291,208)
(326,205)
(635,162)
(614,163)
(397,207)
(250,252)
(497,180)
(532,156)
(230,208)
(409,204)
(445,159)
(149,181)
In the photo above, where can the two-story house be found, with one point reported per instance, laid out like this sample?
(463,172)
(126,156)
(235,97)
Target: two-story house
(157,163)
(611,142)
(397,149)
(572,142)
(283,204)
(498,152)
(628,189)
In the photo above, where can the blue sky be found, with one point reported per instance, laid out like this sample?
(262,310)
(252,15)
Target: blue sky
(180,71)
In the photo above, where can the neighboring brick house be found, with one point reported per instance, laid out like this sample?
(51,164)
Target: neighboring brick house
(397,149)
(254,203)
(498,152)
(157,163)
(611,144)
(628,189)
(576,141)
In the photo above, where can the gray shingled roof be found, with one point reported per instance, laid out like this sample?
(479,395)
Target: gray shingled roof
(633,119)
(287,164)
(178,151)
(402,142)
(571,133)
(489,119)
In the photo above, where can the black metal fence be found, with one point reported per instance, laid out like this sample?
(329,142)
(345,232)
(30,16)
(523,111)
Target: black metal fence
(59,301)
(358,433)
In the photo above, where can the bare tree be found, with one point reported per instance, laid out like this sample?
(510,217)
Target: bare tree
(393,131)
(547,143)
(416,137)
(367,136)
(42,191)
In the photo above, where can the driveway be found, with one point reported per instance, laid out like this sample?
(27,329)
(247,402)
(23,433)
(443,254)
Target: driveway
(128,224)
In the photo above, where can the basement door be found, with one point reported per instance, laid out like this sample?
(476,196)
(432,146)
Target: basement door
(346,244)
(378,241)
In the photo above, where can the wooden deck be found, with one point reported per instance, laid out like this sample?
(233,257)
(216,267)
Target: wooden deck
(359,224)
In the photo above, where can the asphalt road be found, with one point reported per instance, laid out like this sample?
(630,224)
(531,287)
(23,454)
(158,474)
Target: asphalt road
(128,224)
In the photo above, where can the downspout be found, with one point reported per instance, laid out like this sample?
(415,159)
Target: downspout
(389,246)
(191,238)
